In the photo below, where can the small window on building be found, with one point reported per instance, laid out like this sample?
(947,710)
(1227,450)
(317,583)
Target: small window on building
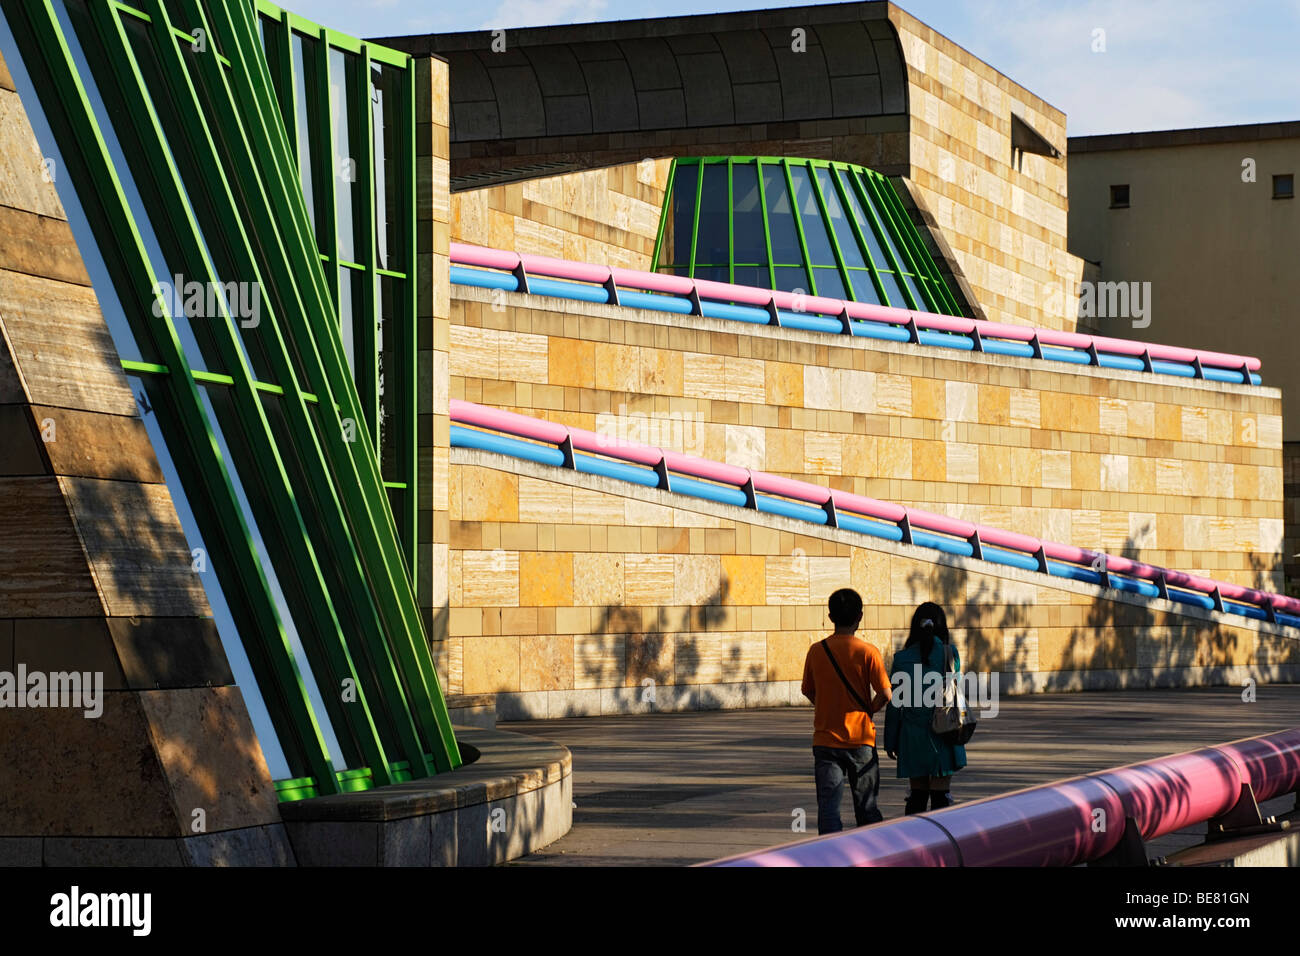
(1284,186)
(1119,196)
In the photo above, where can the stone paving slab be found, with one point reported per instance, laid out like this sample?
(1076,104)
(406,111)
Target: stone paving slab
(676,789)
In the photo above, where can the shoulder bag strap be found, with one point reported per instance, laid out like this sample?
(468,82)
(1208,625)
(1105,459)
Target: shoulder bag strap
(836,664)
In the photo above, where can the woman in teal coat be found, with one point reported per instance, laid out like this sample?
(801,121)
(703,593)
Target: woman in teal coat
(923,757)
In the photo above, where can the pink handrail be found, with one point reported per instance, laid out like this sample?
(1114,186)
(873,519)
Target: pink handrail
(1055,824)
(536,429)
(479,256)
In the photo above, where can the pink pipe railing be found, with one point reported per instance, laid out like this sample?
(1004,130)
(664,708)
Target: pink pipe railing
(522,426)
(1055,824)
(463,254)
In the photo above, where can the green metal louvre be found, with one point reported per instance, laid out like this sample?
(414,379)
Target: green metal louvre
(808,225)
(292,430)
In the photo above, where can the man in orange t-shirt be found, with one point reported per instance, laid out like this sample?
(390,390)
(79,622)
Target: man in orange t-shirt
(839,677)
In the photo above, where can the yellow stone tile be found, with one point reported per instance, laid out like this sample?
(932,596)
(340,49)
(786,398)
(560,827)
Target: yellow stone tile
(744,657)
(697,579)
(929,461)
(1169,476)
(697,658)
(1141,419)
(1023,408)
(963,462)
(617,367)
(786,654)
(1056,469)
(822,453)
(1113,417)
(743,579)
(1026,467)
(572,363)
(857,391)
(994,405)
(784,384)
(787,579)
(961,401)
(894,394)
(545,579)
(869,576)
(489,495)
(928,396)
(490,578)
(544,501)
(661,372)
(597,507)
(599,660)
(995,465)
(1195,423)
(546,662)
(1169,422)
(598,580)
(648,580)
(827,575)
(474,352)
(893,458)
(821,387)
(491,664)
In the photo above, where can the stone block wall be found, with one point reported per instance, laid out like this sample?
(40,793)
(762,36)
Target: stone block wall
(575,594)
(607,216)
(1182,474)
(1006,224)
(96,577)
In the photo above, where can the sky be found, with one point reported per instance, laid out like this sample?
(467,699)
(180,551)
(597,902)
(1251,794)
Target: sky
(1158,64)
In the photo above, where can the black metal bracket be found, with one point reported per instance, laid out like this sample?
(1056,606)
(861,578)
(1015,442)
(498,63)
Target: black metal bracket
(1130,851)
(751,498)
(773,313)
(521,277)
(661,470)
(977,339)
(977,546)
(566,448)
(832,516)
(611,287)
(1244,819)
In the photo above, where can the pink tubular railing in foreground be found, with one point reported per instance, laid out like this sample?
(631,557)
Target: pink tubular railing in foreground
(615,278)
(1056,824)
(841,503)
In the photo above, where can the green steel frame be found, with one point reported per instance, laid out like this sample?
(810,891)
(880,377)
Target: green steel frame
(209,140)
(906,256)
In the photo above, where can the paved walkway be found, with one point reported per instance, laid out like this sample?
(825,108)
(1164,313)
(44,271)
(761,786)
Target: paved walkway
(675,789)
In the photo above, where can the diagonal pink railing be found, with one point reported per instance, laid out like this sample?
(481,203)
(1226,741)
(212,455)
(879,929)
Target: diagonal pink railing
(615,278)
(1056,824)
(834,502)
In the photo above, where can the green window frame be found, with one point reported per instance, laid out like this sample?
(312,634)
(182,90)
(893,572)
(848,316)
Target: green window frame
(893,256)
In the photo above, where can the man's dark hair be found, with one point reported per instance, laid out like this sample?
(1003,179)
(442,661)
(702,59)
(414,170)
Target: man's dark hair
(846,607)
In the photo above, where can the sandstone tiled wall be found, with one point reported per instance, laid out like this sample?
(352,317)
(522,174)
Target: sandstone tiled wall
(433,328)
(96,576)
(575,594)
(607,216)
(1006,226)
(1180,474)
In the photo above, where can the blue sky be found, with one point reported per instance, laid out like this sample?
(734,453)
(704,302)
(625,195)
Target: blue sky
(1167,63)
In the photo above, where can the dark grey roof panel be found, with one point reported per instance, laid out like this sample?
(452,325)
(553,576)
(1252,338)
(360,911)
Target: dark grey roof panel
(476,119)
(568,115)
(667,107)
(652,64)
(686,72)
(757,102)
(749,57)
(613,98)
(805,87)
(893,76)
(519,101)
(847,48)
(557,71)
(856,95)
(708,89)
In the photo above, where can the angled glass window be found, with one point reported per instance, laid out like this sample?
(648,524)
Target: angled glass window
(833,229)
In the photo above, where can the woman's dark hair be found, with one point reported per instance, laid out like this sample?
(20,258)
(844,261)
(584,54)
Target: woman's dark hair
(928,623)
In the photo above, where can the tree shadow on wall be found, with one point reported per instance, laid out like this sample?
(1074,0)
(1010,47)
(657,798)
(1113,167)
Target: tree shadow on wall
(1106,643)
(678,649)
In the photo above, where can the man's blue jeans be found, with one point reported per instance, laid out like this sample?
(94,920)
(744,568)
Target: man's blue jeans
(831,766)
